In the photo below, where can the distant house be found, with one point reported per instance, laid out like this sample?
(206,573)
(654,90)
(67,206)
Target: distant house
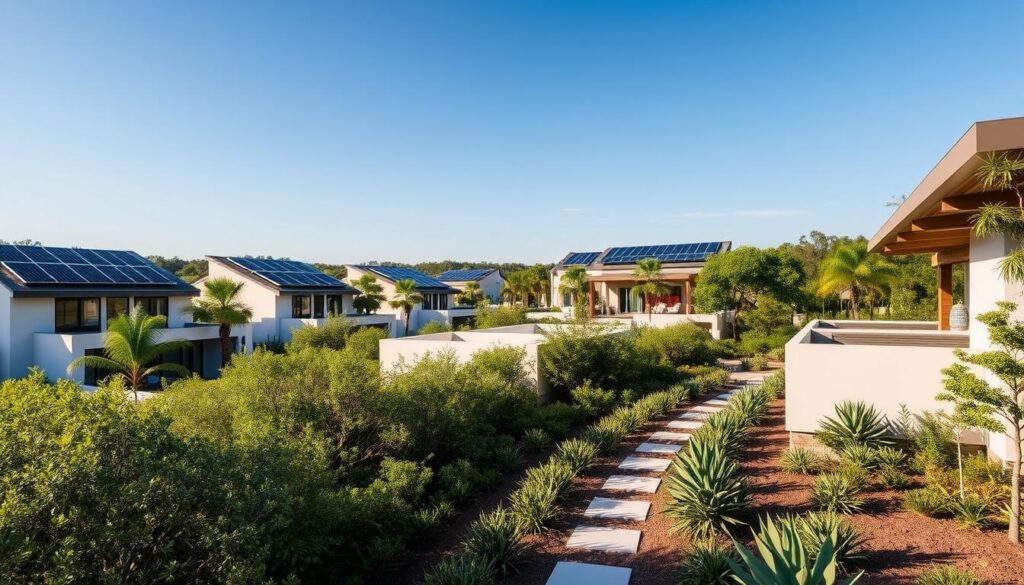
(55,304)
(490,280)
(611,283)
(286,294)
(438,304)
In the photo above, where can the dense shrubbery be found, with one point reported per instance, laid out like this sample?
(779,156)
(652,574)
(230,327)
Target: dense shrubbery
(331,334)
(678,345)
(502,316)
(434,327)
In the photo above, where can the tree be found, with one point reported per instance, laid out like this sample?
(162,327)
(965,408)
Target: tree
(1000,170)
(130,349)
(651,283)
(574,284)
(735,280)
(982,405)
(371,294)
(541,277)
(220,305)
(518,283)
(406,297)
(852,267)
(471,294)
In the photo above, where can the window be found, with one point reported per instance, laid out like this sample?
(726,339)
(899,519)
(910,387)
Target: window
(335,305)
(567,300)
(152,305)
(76,315)
(300,307)
(116,306)
(92,376)
(435,301)
(318,306)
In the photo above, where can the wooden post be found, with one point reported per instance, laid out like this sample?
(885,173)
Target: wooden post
(687,292)
(590,300)
(945,294)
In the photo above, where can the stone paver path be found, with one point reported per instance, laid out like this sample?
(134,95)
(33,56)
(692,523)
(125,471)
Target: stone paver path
(632,483)
(618,509)
(634,463)
(617,540)
(567,573)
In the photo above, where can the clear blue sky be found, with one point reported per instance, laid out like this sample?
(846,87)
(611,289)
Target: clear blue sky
(516,131)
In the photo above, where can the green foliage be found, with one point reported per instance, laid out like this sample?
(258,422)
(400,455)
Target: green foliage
(460,569)
(947,575)
(726,429)
(751,403)
(371,294)
(817,527)
(853,268)
(775,384)
(767,327)
(187,270)
(835,492)
(220,305)
(594,401)
(755,363)
(933,442)
(977,468)
(534,503)
(890,457)
(681,344)
(705,564)
(800,460)
(856,423)
(434,327)
(970,512)
(503,316)
(893,477)
(333,333)
(860,456)
(536,439)
(928,501)
(365,342)
(494,539)
(578,454)
(707,493)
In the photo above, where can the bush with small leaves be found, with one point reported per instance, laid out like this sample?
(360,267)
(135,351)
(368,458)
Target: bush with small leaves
(947,576)
(855,423)
(815,527)
(800,460)
(928,501)
(970,512)
(835,492)
(592,400)
(494,539)
(979,469)
(578,454)
(705,564)
(536,440)
(460,569)
(893,477)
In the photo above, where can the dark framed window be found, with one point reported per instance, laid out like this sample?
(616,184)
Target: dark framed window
(435,301)
(318,306)
(116,306)
(335,305)
(92,376)
(76,315)
(152,305)
(300,307)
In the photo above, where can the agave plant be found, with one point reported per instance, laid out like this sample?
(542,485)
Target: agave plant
(707,493)
(705,564)
(856,423)
(785,558)
(727,428)
(816,527)
(836,493)
(800,460)
(751,403)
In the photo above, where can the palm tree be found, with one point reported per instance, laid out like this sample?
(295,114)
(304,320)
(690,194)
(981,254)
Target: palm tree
(574,283)
(517,284)
(851,267)
(371,295)
(130,348)
(1003,171)
(651,283)
(219,305)
(541,277)
(406,297)
(471,294)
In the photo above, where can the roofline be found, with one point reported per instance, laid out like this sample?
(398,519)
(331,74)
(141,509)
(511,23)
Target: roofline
(489,271)
(102,291)
(952,171)
(725,246)
(285,288)
(371,268)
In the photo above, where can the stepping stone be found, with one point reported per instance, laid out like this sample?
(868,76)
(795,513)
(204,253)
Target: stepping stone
(689,425)
(632,463)
(617,540)
(632,483)
(716,402)
(669,436)
(567,573)
(705,409)
(693,415)
(611,509)
(658,448)
(724,396)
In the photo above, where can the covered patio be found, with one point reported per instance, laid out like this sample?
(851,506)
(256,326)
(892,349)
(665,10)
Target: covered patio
(614,295)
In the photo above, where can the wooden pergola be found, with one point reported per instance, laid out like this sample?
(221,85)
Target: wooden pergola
(685,281)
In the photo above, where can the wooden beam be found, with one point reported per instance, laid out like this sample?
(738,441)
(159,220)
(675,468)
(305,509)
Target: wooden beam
(974,201)
(943,221)
(931,235)
(952,256)
(590,300)
(926,246)
(945,294)
(687,304)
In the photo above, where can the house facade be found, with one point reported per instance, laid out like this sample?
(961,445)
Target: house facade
(55,304)
(286,295)
(490,280)
(610,284)
(439,302)
(888,363)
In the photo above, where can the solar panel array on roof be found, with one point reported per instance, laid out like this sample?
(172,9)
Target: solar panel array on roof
(397,273)
(465,274)
(668,253)
(45,265)
(287,272)
(580,258)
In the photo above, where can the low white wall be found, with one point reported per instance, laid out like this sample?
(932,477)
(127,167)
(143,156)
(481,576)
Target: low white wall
(716,322)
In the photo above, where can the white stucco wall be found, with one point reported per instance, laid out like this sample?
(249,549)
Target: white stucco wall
(5,332)
(265,302)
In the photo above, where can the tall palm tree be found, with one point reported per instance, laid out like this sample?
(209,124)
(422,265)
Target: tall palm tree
(371,294)
(574,283)
(651,282)
(219,305)
(541,282)
(471,294)
(851,267)
(518,283)
(406,297)
(1003,171)
(131,348)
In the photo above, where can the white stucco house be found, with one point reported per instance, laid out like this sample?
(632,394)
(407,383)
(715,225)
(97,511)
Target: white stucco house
(887,363)
(55,304)
(490,280)
(286,295)
(610,282)
(439,302)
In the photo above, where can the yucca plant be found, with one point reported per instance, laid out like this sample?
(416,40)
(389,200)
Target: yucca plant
(947,576)
(785,559)
(707,493)
(816,527)
(604,436)
(534,504)
(890,457)
(860,456)
(705,564)
(970,512)
(752,403)
(893,478)
(835,493)
(929,501)
(536,439)
(856,423)
(727,428)
(578,454)
(494,539)
(800,460)
(460,569)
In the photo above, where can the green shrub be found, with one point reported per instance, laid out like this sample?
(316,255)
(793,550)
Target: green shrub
(578,454)
(594,352)
(534,503)
(710,381)
(603,435)
(694,371)
(855,474)
(705,564)
(503,316)
(856,423)
(365,342)
(459,481)
(494,539)
(594,401)
(970,512)
(860,456)
(934,443)
(893,477)
(725,428)
(835,493)
(928,501)
(775,384)
(331,334)
(751,403)
(890,457)
(816,527)
(977,468)
(947,576)
(681,344)
(800,460)
(434,327)
(555,418)
(536,439)
(460,569)
(707,493)
(756,363)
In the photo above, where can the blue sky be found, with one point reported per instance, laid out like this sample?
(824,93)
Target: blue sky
(512,131)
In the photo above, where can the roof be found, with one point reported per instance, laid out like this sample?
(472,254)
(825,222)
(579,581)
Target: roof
(691,253)
(46,271)
(952,175)
(393,274)
(289,276)
(465,274)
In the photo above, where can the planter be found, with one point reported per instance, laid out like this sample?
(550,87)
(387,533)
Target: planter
(958,318)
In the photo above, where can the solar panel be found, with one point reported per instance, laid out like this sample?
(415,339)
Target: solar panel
(287,272)
(397,273)
(44,265)
(464,274)
(580,258)
(696,252)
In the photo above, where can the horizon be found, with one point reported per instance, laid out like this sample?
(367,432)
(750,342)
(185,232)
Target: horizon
(516,133)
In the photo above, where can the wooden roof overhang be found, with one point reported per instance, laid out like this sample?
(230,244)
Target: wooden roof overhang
(631,278)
